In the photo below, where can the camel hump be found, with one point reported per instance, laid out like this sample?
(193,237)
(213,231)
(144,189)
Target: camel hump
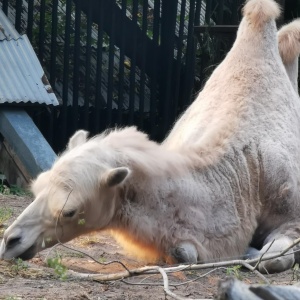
(289,41)
(259,12)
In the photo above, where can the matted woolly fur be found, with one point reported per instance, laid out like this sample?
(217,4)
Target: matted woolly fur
(289,41)
(123,146)
(224,182)
(259,12)
(289,47)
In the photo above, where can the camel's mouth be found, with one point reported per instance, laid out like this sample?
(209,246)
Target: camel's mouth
(29,253)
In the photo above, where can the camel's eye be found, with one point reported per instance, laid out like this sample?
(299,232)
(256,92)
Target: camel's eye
(68,214)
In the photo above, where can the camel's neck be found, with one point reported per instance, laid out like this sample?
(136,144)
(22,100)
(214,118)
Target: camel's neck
(212,199)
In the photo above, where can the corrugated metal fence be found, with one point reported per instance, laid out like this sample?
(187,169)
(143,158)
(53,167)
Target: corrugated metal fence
(121,62)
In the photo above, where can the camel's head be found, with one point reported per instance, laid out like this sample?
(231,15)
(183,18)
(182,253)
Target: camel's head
(76,196)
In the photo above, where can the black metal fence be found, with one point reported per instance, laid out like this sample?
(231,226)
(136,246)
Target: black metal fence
(122,62)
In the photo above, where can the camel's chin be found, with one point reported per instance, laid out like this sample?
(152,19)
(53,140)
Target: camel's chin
(25,255)
(29,253)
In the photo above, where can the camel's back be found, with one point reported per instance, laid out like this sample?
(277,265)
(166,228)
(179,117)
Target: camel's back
(248,98)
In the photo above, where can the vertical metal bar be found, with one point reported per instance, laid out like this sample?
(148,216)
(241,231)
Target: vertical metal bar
(153,81)
(30,19)
(53,43)
(5,6)
(169,15)
(143,62)
(111,56)
(121,65)
(98,100)
(77,52)
(133,63)
(41,41)
(178,66)
(53,64)
(220,11)
(18,15)
(190,54)
(240,5)
(219,21)
(198,12)
(50,125)
(66,70)
(208,11)
(234,12)
(88,66)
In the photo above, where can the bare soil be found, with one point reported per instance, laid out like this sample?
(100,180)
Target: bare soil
(35,280)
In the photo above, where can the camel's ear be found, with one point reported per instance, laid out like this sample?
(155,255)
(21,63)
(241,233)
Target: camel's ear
(77,139)
(115,176)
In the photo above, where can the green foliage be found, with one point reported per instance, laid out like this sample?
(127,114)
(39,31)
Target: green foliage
(4,190)
(12,189)
(18,265)
(102,259)
(296,274)
(74,254)
(5,214)
(59,269)
(81,221)
(234,271)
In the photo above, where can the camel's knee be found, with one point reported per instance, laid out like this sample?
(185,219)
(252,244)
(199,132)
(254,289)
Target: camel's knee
(278,264)
(185,252)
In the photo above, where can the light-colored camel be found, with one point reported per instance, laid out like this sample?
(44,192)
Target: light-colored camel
(226,177)
(289,49)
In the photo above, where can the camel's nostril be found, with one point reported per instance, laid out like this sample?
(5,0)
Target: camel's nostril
(11,242)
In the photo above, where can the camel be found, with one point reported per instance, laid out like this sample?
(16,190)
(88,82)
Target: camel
(289,49)
(223,183)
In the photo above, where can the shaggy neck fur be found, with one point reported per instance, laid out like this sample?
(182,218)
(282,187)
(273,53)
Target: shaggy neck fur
(152,213)
(119,148)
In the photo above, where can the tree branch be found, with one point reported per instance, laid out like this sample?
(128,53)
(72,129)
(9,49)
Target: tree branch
(149,270)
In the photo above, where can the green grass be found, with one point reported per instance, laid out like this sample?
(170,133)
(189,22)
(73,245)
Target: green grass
(18,265)
(234,271)
(5,214)
(102,259)
(59,268)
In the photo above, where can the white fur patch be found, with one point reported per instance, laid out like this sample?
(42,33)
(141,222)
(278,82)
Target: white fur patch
(258,12)
(289,41)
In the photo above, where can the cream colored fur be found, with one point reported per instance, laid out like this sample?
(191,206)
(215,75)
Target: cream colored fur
(258,13)
(226,177)
(289,48)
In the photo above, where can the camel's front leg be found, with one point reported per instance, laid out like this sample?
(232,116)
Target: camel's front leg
(281,263)
(273,247)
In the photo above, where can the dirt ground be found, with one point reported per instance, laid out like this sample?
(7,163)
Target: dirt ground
(35,280)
